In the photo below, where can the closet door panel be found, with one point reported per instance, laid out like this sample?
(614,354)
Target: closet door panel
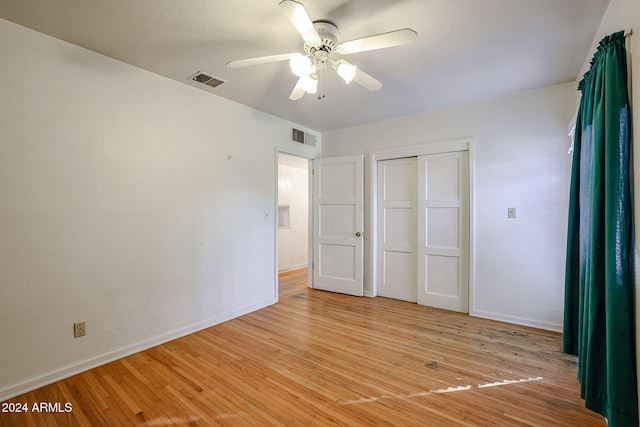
(443,231)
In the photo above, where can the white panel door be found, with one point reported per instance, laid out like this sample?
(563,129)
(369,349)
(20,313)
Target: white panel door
(443,231)
(397,229)
(338,225)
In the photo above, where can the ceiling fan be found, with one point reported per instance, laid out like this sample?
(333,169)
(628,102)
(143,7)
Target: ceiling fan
(320,46)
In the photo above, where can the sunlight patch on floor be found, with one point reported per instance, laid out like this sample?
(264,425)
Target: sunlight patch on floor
(507,382)
(439,391)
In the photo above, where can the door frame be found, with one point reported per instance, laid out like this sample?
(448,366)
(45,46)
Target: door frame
(371,267)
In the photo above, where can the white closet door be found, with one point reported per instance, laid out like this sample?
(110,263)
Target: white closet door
(397,228)
(338,199)
(443,231)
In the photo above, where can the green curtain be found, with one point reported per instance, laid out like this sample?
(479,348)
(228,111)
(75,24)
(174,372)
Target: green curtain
(599,314)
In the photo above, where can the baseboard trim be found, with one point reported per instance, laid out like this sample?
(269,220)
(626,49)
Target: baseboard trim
(293,268)
(69,371)
(554,327)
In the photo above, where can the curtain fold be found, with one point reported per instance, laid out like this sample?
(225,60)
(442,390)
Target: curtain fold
(599,318)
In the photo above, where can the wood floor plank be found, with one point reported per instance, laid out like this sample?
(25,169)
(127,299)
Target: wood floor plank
(318,358)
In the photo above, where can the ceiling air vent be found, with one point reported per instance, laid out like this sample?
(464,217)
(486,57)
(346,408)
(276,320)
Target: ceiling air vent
(303,137)
(207,79)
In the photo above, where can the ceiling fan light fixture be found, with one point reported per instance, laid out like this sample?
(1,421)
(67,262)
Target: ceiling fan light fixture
(320,42)
(346,71)
(301,66)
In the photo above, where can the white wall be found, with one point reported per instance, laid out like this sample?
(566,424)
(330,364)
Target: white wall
(119,207)
(520,160)
(624,15)
(293,188)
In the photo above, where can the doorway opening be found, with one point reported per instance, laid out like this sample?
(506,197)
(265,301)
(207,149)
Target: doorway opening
(292,217)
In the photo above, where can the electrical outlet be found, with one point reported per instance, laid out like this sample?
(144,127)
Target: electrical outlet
(79,329)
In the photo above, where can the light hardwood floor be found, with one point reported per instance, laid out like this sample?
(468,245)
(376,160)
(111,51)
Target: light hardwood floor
(318,358)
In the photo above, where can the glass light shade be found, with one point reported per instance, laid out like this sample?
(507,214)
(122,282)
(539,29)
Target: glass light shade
(301,66)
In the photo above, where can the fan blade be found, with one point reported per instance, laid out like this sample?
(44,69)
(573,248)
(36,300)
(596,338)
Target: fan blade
(299,17)
(366,81)
(379,41)
(298,91)
(260,60)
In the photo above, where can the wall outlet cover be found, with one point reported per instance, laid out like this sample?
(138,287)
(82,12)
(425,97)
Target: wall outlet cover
(79,329)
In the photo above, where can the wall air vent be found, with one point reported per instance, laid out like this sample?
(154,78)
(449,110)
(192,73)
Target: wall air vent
(303,137)
(207,79)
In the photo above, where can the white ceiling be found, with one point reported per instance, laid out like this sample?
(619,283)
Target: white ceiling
(467,50)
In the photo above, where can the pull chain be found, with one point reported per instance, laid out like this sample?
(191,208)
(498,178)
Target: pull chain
(320,97)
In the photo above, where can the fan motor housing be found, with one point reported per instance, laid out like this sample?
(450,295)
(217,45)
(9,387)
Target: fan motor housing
(328,32)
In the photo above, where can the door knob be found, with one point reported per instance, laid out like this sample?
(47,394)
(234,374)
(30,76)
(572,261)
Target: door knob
(358,234)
